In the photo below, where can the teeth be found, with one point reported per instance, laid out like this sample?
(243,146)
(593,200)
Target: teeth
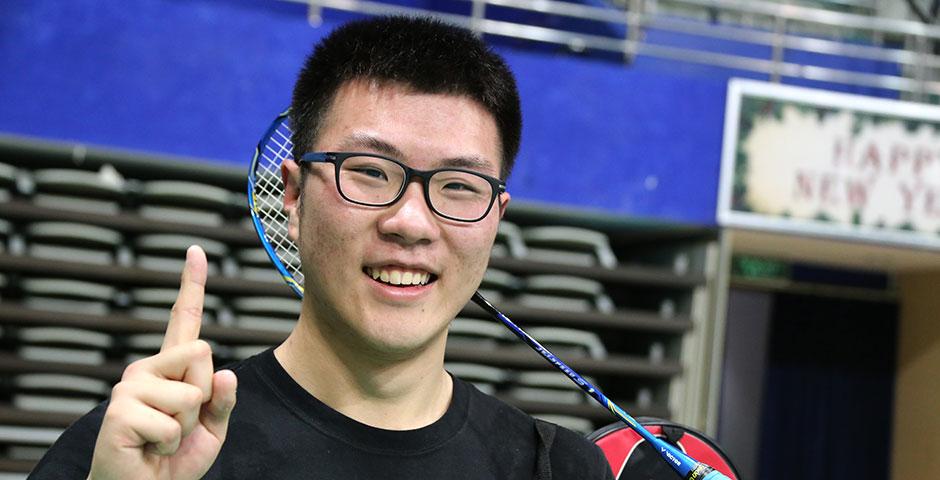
(399,277)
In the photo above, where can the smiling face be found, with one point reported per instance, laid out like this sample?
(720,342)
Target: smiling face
(388,280)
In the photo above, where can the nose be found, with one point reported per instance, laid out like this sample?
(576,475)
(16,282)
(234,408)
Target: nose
(410,220)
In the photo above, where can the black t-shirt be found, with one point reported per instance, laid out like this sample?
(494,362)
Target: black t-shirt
(278,430)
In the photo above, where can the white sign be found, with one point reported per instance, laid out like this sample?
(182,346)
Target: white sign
(822,163)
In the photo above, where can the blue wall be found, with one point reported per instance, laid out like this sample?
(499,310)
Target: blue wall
(202,78)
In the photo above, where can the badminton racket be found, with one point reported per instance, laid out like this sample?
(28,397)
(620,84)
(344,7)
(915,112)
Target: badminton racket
(265,201)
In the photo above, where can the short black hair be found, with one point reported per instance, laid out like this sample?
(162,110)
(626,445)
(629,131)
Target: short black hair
(423,54)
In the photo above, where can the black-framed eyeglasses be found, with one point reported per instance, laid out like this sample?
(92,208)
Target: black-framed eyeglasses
(378,181)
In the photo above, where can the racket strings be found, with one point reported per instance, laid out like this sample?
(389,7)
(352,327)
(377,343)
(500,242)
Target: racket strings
(268,193)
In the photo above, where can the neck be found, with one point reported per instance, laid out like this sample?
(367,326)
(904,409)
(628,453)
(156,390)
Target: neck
(389,391)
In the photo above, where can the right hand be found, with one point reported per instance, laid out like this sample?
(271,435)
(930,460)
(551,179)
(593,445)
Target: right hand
(169,414)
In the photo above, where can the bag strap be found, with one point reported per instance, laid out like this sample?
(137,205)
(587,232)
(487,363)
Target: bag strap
(543,465)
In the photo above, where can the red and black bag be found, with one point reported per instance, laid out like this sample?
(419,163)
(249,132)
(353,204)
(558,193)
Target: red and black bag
(632,458)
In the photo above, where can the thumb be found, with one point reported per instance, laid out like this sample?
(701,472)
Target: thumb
(215,414)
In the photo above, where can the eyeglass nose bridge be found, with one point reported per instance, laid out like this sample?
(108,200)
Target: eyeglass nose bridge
(424,179)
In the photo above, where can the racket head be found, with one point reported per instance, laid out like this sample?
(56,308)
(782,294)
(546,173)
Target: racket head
(266,201)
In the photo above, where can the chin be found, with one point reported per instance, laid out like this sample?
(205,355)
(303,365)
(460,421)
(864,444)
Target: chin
(398,349)
(404,339)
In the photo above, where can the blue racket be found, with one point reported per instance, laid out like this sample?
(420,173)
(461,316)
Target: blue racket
(265,202)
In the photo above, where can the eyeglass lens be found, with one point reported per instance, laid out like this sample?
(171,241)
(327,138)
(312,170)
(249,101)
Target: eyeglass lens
(377,181)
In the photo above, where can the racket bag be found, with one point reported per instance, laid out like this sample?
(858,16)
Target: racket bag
(632,458)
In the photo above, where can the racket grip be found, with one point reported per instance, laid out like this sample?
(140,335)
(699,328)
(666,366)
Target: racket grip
(715,475)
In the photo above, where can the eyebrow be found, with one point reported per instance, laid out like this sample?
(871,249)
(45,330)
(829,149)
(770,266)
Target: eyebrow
(366,142)
(374,144)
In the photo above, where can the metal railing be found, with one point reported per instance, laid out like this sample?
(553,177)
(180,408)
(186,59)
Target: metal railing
(637,28)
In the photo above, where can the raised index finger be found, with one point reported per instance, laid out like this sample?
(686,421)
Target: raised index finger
(186,316)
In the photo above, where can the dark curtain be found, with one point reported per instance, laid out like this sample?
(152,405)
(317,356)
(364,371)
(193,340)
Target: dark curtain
(829,390)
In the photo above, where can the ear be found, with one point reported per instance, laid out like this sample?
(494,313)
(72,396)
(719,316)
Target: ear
(503,200)
(290,175)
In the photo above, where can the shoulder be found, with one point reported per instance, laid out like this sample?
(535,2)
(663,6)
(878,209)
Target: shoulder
(572,456)
(241,367)
(253,372)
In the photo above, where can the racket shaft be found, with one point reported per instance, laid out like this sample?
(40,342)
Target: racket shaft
(686,467)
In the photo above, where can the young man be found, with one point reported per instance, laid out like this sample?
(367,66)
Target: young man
(404,128)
